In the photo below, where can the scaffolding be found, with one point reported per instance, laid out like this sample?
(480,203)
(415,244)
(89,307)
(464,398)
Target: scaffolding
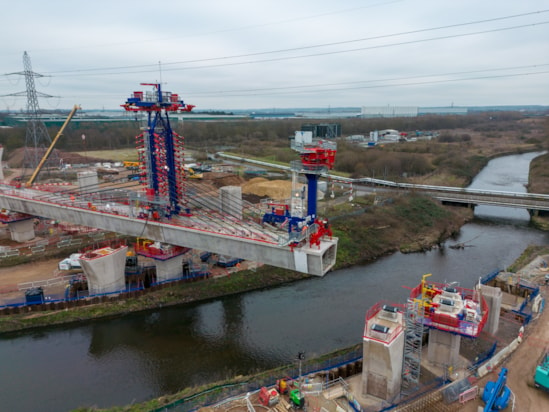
(411,361)
(160,149)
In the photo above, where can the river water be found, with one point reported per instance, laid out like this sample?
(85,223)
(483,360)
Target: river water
(117,362)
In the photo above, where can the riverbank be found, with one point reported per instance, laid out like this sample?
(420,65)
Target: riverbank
(409,223)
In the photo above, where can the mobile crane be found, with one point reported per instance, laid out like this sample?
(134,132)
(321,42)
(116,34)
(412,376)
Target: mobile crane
(52,145)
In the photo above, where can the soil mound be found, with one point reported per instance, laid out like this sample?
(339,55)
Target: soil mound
(274,189)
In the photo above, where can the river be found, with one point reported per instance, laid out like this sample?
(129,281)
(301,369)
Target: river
(141,356)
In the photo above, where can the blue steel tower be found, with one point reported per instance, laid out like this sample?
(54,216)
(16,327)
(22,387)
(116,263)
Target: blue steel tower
(314,162)
(160,149)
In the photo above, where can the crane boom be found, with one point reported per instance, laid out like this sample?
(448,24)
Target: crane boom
(52,145)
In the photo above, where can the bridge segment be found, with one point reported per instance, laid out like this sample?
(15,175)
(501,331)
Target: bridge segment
(533,202)
(315,260)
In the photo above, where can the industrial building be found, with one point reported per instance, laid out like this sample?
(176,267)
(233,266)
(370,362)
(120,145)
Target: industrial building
(409,111)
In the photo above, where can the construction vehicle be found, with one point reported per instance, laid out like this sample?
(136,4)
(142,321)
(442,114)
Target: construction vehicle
(131,165)
(541,377)
(285,385)
(52,145)
(268,397)
(496,394)
(72,262)
(194,174)
(297,399)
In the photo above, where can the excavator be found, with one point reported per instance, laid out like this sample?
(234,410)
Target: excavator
(52,145)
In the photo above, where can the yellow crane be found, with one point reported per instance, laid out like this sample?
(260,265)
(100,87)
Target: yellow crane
(50,149)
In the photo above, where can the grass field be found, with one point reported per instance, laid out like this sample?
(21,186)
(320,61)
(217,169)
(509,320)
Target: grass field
(118,155)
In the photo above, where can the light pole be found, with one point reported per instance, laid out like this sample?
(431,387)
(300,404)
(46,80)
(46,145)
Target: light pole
(300,357)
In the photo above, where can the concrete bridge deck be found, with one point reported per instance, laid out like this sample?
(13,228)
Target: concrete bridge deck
(222,235)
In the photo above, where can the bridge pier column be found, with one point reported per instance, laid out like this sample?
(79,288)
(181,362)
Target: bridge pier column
(1,166)
(493,296)
(171,268)
(231,200)
(22,230)
(443,347)
(104,269)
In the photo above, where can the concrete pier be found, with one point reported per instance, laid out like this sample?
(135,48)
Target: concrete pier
(231,201)
(443,347)
(383,346)
(493,297)
(171,268)
(88,181)
(104,269)
(1,164)
(22,230)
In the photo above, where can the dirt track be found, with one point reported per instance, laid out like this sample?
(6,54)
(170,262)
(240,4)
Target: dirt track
(521,365)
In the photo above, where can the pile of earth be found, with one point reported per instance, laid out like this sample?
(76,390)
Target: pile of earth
(274,189)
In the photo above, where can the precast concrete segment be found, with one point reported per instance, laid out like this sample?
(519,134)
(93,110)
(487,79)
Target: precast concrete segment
(319,259)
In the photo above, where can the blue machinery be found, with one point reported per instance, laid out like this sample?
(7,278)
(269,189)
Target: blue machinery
(314,161)
(496,394)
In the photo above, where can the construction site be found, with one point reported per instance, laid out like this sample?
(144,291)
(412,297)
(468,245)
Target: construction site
(132,228)
(157,194)
(446,348)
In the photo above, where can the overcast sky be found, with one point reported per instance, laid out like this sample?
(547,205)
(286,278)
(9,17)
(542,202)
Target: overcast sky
(243,54)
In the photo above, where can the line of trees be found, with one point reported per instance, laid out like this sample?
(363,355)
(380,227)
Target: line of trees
(270,139)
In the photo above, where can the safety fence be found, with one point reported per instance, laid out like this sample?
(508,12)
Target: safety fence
(525,308)
(83,298)
(54,244)
(331,368)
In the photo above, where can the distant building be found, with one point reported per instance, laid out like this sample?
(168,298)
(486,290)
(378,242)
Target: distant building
(442,110)
(410,111)
(324,130)
(389,111)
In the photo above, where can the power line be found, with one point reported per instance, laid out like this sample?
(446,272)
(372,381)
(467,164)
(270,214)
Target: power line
(357,82)
(222,58)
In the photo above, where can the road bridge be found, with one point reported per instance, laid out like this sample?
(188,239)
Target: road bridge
(534,203)
(206,230)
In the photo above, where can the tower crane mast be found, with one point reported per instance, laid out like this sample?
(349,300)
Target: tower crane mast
(161,149)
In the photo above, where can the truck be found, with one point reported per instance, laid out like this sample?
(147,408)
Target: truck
(71,262)
(541,376)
